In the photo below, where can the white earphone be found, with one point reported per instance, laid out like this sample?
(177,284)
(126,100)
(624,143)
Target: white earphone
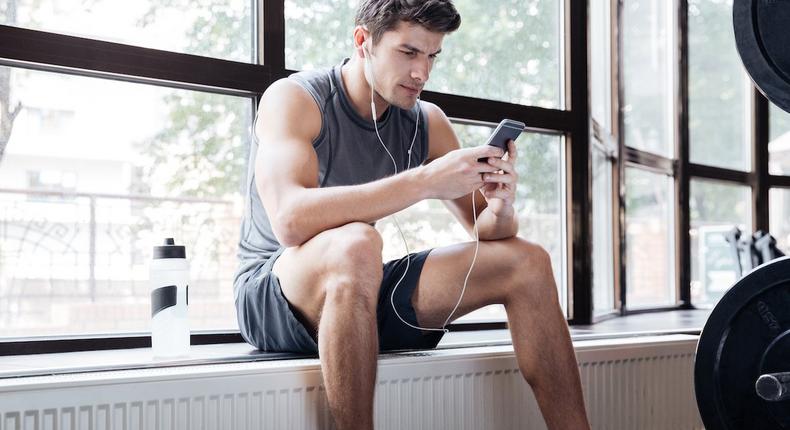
(369,77)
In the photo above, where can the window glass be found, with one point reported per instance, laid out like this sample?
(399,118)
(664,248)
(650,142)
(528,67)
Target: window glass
(649,228)
(779,146)
(212,28)
(603,247)
(504,50)
(318,33)
(780,217)
(719,90)
(648,67)
(91,183)
(428,224)
(600,63)
(715,208)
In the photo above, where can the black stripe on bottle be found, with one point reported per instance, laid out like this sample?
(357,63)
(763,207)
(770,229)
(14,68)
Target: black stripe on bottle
(163,298)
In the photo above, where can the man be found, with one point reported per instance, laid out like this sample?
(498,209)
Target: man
(311,276)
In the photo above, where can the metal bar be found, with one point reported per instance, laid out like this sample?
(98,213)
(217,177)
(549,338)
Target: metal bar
(719,173)
(41,49)
(536,118)
(619,180)
(51,345)
(580,223)
(274,34)
(779,181)
(773,387)
(650,161)
(113,196)
(682,180)
(760,138)
(92,248)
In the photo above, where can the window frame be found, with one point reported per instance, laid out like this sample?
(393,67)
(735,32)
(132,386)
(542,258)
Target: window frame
(48,51)
(757,178)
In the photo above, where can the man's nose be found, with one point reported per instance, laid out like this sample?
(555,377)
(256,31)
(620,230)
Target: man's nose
(420,71)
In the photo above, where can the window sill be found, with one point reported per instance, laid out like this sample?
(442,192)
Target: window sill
(661,323)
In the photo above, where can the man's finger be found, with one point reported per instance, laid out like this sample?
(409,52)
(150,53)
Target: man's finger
(511,150)
(506,165)
(487,151)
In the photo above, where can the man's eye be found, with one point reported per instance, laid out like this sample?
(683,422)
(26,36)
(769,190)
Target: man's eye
(409,53)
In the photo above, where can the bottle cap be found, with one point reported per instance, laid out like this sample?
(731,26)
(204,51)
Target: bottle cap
(169,250)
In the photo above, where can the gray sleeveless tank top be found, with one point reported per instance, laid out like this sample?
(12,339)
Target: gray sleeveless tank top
(349,153)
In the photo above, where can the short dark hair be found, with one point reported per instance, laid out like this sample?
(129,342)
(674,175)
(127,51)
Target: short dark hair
(380,16)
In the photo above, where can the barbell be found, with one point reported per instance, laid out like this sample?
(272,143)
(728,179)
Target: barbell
(742,364)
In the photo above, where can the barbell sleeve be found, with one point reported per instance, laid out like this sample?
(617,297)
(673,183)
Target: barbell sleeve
(773,387)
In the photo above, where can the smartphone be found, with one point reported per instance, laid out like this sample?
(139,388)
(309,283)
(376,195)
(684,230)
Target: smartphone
(508,129)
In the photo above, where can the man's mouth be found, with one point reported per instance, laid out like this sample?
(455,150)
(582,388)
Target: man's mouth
(412,89)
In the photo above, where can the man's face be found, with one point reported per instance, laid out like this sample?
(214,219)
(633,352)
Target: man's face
(402,61)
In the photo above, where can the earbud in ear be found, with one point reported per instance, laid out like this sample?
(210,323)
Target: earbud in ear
(368,65)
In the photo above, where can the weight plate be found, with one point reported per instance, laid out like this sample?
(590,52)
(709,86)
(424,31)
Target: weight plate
(762,39)
(732,351)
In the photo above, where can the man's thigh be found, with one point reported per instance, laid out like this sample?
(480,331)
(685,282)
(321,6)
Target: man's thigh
(445,269)
(301,269)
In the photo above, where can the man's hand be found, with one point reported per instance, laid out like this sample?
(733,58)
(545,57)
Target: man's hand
(500,186)
(458,172)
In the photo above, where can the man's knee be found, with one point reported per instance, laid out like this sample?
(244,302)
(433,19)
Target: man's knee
(354,267)
(531,269)
(354,247)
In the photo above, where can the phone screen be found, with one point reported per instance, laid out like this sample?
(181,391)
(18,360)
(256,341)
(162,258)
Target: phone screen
(508,129)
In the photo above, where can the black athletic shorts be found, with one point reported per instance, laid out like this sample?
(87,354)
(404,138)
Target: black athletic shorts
(267,321)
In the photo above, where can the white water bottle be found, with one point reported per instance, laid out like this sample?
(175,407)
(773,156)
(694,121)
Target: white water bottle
(169,301)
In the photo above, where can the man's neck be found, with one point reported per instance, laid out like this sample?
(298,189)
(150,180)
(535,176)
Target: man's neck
(353,75)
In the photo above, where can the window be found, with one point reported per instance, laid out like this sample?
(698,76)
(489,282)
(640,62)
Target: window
(318,33)
(600,63)
(602,151)
(507,51)
(103,158)
(429,224)
(214,28)
(649,227)
(603,238)
(649,77)
(779,146)
(780,217)
(719,90)
(82,208)
(648,65)
(716,207)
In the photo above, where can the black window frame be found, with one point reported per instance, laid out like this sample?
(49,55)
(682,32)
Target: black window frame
(758,178)
(54,52)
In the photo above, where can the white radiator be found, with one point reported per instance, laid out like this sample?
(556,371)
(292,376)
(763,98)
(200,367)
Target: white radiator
(638,383)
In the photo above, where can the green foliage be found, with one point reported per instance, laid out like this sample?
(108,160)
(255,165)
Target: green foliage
(504,50)
(202,151)
(203,133)
(203,147)
(718,93)
(719,202)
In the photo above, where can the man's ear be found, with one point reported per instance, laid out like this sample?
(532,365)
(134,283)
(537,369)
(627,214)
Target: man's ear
(361,38)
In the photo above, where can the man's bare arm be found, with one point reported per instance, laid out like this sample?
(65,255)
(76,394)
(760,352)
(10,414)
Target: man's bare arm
(286,171)
(442,140)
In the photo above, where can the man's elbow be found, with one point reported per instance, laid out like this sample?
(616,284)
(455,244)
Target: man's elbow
(286,231)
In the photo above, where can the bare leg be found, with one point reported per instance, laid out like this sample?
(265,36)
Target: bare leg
(339,296)
(348,348)
(517,274)
(545,354)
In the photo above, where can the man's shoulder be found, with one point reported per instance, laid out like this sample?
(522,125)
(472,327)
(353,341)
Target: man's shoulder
(435,116)
(316,81)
